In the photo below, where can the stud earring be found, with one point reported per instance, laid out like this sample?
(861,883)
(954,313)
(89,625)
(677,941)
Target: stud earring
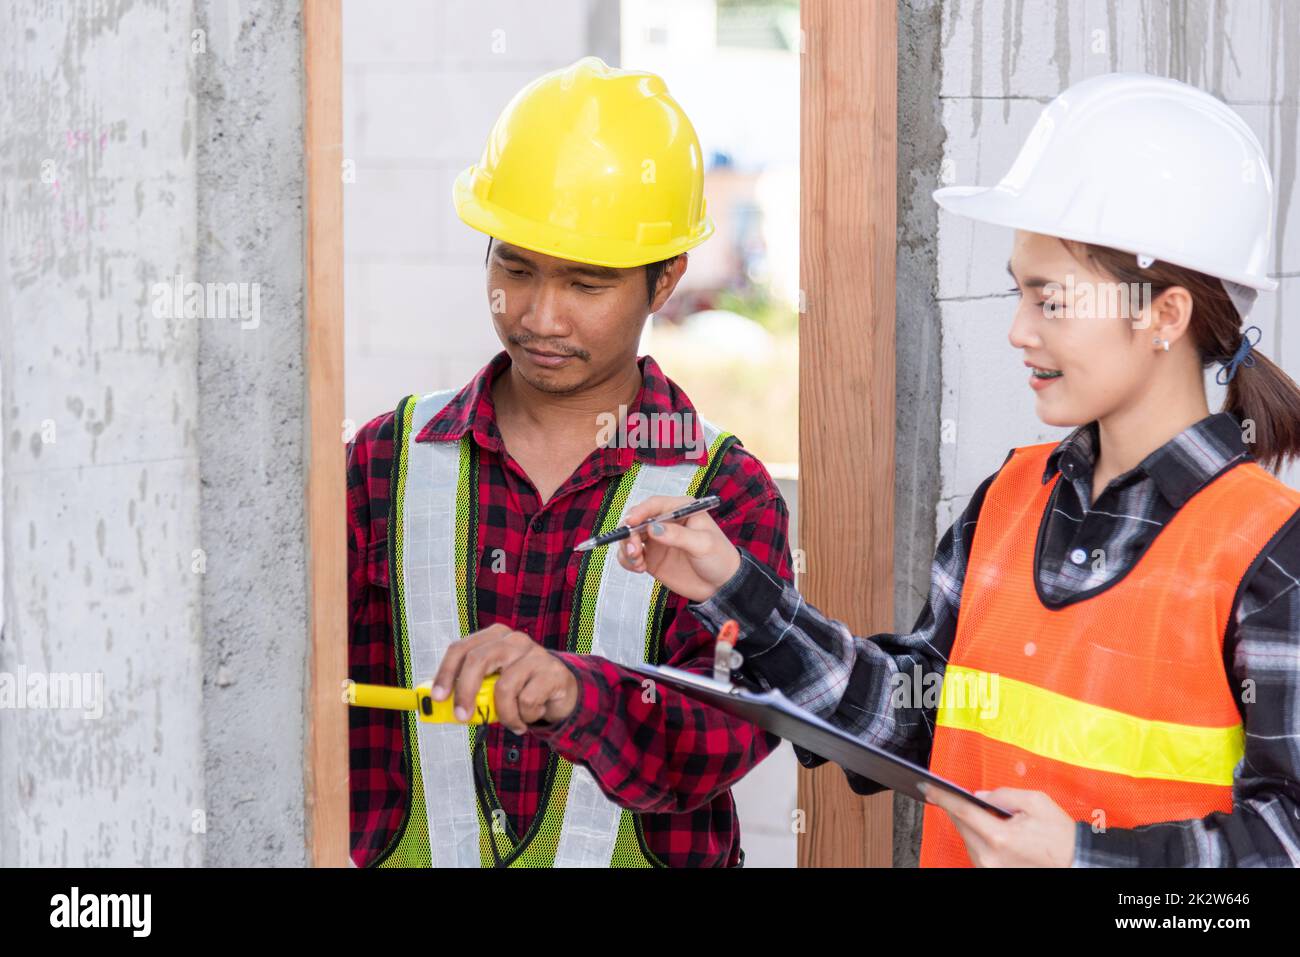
(1163,343)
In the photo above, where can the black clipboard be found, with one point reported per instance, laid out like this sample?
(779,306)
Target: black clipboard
(774,712)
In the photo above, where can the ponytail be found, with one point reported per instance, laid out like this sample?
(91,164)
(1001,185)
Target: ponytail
(1267,403)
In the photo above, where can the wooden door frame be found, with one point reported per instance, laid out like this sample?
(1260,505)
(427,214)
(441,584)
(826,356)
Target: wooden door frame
(326,758)
(848,188)
(847,222)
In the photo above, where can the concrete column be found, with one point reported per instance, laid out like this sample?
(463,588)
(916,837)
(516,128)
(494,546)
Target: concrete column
(917,337)
(251,216)
(101,477)
(153,473)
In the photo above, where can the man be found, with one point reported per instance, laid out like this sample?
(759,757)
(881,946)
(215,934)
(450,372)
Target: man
(465,510)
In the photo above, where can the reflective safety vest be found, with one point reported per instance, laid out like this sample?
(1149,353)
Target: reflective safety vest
(453,815)
(1116,704)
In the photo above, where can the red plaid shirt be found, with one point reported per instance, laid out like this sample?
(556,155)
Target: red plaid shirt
(674,760)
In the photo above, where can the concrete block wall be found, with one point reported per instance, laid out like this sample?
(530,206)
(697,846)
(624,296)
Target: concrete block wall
(1001,62)
(423,84)
(917,337)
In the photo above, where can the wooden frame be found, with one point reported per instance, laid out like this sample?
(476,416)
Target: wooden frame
(846,391)
(326,764)
(848,187)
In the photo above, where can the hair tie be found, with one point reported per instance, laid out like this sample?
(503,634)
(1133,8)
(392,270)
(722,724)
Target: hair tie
(1241,357)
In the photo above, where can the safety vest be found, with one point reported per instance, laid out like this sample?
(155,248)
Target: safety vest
(452,813)
(1117,704)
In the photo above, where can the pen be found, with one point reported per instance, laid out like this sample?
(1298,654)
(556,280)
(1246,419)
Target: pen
(623,531)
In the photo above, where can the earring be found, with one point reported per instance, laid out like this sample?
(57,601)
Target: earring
(1164,343)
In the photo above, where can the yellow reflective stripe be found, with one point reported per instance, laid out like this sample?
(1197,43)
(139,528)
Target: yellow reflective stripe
(1087,735)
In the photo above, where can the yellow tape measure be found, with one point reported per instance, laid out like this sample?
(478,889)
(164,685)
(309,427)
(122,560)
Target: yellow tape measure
(420,700)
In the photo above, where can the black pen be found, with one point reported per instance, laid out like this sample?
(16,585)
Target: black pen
(624,531)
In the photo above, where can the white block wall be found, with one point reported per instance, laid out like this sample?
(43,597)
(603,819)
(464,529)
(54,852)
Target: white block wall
(1002,61)
(423,84)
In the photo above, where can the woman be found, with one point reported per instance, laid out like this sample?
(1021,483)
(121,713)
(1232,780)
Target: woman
(1113,624)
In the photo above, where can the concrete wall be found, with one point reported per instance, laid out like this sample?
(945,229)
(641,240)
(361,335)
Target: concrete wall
(101,479)
(153,528)
(917,337)
(248,133)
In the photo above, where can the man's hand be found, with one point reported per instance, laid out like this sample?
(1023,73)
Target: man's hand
(534,684)
(1039,835)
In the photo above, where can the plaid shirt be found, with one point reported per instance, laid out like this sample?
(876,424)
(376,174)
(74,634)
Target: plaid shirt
(821,666)
(674,760)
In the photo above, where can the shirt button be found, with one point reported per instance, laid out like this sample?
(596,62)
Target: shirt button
(538,524)
(1078,556)
(512,755)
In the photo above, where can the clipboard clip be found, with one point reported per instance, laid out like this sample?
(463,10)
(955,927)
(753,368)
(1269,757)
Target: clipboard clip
(726,658)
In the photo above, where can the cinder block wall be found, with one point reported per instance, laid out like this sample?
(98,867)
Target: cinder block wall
(1001,62)
(423,84)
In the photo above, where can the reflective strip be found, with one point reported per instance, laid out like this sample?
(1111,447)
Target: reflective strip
(1087,735)
(591,820)
(433,623)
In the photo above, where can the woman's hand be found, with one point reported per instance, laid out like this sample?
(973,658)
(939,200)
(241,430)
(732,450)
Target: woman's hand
(692,557)
(1039,835)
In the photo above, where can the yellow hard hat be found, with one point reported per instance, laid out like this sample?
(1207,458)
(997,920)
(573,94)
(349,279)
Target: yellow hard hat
(592,164)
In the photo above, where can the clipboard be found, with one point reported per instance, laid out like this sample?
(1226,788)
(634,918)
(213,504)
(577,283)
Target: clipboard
(774,712)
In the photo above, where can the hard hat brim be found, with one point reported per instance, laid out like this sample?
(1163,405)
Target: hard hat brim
(1000,207)
(552,240)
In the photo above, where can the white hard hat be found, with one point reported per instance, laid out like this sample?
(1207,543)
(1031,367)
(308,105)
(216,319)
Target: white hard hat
(1144,164)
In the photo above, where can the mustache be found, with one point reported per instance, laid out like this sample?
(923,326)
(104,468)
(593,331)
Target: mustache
(526,342)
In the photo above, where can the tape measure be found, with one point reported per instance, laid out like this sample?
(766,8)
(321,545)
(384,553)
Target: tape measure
(420,700)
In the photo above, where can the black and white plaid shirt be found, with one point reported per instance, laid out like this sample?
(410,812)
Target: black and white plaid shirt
(821,666)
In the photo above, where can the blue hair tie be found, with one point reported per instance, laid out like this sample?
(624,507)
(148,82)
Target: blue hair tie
(1241,357)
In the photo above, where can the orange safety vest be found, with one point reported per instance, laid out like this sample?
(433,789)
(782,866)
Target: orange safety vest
(1117,705)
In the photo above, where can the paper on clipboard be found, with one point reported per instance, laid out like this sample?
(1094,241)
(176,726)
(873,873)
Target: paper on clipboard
(773,712)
